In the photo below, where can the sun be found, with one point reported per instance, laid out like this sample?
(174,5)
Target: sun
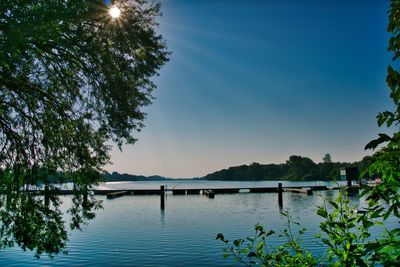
(114,12)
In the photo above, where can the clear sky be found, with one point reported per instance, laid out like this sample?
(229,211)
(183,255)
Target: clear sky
(258,81)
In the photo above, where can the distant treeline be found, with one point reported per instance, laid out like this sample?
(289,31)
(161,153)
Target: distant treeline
(297,168)
(115,177)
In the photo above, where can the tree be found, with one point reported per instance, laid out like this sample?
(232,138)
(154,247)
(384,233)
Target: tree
(72,79)
(328,169)
(301,168)
(327,158)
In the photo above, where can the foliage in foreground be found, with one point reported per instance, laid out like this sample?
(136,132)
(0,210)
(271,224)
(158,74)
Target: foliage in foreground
(346,237)
(257,250)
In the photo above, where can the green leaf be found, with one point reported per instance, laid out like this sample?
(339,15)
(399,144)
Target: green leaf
(322,212)
(251,254)
(374,143)
(334,204)
(237,242)
(327,242)
(271,232)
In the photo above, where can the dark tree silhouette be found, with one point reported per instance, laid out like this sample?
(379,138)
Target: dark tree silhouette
(72,78)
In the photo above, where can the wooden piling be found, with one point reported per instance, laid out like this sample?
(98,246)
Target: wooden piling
(209,193)
(162,197)
(280,202)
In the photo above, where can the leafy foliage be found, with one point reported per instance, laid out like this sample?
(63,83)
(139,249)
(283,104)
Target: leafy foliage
(327,158)
(346,232)
(72,79)
(257,250)
(391,118)
(386,161)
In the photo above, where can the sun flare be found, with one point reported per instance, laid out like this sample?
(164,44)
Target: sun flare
(114,12)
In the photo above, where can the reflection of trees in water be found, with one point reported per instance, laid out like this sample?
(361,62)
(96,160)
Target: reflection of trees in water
(83,206)
(34,221)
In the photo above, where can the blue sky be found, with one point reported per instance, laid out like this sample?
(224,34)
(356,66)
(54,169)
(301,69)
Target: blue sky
(258,81)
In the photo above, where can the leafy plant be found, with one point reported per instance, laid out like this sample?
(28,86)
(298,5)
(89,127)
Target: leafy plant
(257,250)
(346,232)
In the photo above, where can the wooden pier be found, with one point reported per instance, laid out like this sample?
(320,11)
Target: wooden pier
(308,191)
(225,190)
(197,191)
(209,192)
(179,191)
(263,190)
(116,194)
(193,191)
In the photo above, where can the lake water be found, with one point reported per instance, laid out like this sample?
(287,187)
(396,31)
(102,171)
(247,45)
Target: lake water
(134,231)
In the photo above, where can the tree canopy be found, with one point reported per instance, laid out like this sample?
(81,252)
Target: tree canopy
(72,78)
(327,158)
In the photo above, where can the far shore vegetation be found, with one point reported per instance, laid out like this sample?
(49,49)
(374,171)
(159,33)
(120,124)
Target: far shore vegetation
(296,168)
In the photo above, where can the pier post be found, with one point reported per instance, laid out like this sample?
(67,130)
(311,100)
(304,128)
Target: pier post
(162,197)
(280,195)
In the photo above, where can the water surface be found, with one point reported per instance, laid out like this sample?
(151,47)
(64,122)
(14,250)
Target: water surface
(134,231)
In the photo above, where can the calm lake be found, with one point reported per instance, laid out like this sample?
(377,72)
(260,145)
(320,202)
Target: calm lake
(134,231)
